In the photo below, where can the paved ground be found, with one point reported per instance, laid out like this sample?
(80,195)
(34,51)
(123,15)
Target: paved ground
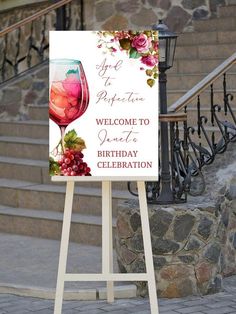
(33,262)
(29,262)
(221,303)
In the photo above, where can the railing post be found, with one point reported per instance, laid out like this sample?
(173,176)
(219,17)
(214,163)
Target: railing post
(61,18)
(166,194)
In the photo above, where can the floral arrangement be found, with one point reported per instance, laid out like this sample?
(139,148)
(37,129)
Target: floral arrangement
(138,45)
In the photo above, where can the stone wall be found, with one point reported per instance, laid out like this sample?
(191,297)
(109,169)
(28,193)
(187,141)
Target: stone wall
(31,32)
(194,244)
(135,14)
(28,89)
(11,16)
(132,14)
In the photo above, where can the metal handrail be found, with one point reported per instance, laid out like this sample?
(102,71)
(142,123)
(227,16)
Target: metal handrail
(34,17)
(203,84)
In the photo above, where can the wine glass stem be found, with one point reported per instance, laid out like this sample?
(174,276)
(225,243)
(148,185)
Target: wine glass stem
(63,129)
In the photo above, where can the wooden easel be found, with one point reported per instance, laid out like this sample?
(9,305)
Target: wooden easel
(107,247)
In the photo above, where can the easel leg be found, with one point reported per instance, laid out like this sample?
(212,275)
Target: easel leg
(64,247)
(107,242)
(147,248)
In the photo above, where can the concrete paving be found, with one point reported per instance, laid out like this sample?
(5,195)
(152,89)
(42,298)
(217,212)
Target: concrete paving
(28,267)
(220,303)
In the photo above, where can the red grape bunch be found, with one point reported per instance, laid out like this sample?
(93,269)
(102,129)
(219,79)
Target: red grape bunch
(71,164)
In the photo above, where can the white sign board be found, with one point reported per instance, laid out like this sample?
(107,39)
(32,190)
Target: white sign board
(103,104)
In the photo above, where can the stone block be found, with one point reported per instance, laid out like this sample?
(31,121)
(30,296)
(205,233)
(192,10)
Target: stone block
(21,172)
(216,285)
(38,112)
(214,4)
(123,228)
(188,52)
(160,222)
(204,227)
(159,262)
(182,226)
(201,38)
(212,252)
(203,272)
(221,24)
(39,85)
(164,246)
(200,14)
(25,130)
(128,6)
(193,244)
(177,18)
(104,9)
(11,96)
(126,255)
(227,37)
(117,22)
(136,243)
(135,221)
(192,4)
(216,51)
(24,150)
(25,82)
(231,195)
(144,18)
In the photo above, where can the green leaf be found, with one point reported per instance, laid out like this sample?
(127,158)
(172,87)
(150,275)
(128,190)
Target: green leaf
(150,82)
(125,43)
(72,72)
(54,168)
(149,72)
(134,53)
(73,141)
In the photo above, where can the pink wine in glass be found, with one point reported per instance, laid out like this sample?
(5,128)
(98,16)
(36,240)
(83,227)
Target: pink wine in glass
(69,93)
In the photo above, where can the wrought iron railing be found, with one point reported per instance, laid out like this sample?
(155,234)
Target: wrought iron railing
(195,143)
(25,44)
(196,139)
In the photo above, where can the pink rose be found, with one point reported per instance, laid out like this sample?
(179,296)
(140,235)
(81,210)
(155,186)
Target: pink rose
(142,43)
(149,60)
(155,45)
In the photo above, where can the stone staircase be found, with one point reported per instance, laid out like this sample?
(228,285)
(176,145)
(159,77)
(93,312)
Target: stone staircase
(197,54)
(31,205)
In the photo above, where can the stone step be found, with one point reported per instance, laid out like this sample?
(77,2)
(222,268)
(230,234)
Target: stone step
(219,24)
(24,147)
(195,66)
(29,128)
(227,11)
(24,169)
(205,51)
(87,200)
(187,81)
(36,171)
(206,38)
(85,229)
(174,95)
(38,112)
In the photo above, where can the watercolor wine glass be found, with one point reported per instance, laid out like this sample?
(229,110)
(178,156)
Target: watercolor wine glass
(69,93)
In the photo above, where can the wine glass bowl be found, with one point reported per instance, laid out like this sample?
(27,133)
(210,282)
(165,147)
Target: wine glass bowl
(69,92)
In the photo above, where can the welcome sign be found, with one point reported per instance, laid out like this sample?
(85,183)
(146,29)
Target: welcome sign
(103,104)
